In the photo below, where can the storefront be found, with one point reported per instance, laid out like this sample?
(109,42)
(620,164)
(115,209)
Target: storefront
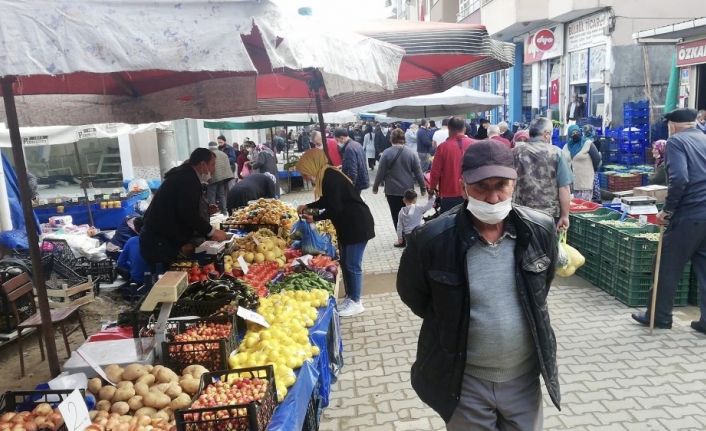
(541,73)
(691,59)
(588,52)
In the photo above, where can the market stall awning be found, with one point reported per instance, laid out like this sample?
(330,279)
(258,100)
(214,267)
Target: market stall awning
(253,125)
(454,101)
(144,61)
(57,135)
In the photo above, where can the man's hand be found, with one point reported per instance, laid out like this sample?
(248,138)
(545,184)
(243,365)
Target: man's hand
(563,223)
(212,209)
(218,235)
(309,218)
(301,209)
(663,218)
(375,191)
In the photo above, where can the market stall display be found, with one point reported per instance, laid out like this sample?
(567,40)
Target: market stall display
(246,338)
(620,252)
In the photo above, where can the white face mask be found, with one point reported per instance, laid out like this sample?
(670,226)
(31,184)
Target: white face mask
(489,213)
(204,177)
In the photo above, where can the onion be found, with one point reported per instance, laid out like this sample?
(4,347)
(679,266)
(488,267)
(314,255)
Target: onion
(43,409)
(333,269)
(7,417)
(30,425)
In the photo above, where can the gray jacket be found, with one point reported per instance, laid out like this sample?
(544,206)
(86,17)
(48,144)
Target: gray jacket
(223,171)
(400,176)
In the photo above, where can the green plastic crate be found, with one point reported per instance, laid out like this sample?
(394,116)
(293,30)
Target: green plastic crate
(634,253)
(632,288)
(694,294)
(581,223)
(606,276)
(591,269)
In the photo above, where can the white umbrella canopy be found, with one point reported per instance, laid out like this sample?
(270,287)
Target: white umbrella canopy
(454,101)
(338,117)
(138,61)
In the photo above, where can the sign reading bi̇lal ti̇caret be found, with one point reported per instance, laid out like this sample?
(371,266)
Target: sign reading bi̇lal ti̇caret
(587,32)
(691,53)
(544,44)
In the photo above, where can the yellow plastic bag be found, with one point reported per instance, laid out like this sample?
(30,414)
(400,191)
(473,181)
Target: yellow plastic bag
(575,259)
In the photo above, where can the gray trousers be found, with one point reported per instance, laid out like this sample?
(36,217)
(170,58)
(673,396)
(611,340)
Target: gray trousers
(684,240)
(489,406)
(216,195)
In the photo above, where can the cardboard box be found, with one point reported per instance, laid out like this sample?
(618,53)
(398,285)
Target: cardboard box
(655,191)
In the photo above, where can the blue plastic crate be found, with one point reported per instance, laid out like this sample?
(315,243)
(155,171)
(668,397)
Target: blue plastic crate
(615,207)
(631,159)
(634,135)
(613,156)
(613,145)
(631,147)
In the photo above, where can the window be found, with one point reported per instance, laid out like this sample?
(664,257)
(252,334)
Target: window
(467,7)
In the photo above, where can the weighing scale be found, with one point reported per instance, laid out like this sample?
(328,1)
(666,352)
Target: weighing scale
(92,356)
(639,205)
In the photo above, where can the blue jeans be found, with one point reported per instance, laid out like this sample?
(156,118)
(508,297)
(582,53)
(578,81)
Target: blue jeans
(352,267)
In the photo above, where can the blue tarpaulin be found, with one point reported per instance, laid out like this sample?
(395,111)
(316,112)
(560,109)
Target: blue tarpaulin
(290,414)
(17,238)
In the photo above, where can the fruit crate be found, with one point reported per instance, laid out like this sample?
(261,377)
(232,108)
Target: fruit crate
(103,270)
(24,401)
(606,276)
(614,238)
(212,354)
(76,295)
(694,293)
(60,249)
(254,416)
(623,182)
(582,206)
(632,288)
(313,410)
(591,269)
(636,253)
(581,222)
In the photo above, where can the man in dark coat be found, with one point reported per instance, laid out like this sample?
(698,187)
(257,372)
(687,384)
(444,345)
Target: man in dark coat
(229,150)
(481,351)
(355,164)
(252,187)
(178,212)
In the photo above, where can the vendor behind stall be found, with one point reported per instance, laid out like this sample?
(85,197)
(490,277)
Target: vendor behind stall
(175,218)
(129,228)
(131,266)
(250,188)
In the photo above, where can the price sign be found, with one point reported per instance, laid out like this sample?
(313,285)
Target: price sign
(252,316)
(106,197)
(243,265)
(75,413)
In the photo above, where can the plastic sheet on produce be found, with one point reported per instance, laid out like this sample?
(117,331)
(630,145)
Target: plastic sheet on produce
(290,414)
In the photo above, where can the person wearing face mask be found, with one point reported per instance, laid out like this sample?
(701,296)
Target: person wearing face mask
(178,213)
(684,213)
(701,120)
(479,276)
(338,201)
(354,163)
(583,158)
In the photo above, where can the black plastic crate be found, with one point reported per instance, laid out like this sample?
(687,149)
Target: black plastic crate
(60,249)
(22,401)
(254,416)
(313,410)
(212,354)
(100,271)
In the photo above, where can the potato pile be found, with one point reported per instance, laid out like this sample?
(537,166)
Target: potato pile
(145,390)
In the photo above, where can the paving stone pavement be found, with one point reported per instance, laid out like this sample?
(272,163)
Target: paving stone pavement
(614,375)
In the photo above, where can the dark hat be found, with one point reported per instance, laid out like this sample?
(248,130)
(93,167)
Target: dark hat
(340,132)
(684,115)
(212,145)
(488,159)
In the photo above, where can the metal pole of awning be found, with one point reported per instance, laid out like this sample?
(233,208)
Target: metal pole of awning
(83,184)
(30,225)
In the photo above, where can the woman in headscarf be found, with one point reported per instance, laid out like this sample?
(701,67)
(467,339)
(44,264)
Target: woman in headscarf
(659,177)
(520,136)
(584,159)
(589,133)
(339,202)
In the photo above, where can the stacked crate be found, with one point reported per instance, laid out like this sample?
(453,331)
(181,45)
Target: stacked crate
(634,137)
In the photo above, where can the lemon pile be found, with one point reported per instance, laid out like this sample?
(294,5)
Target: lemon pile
(285,344)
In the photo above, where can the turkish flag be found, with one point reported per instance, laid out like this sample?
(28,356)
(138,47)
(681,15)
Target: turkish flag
(554,92)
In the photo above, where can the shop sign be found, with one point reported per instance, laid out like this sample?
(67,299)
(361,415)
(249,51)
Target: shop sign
(35,140)
(544,44)
(691,53)
(587,32)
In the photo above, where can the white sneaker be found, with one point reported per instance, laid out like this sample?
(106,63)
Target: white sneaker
(351,308)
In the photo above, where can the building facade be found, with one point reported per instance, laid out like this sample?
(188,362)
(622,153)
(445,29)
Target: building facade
(687,42)
(574,57)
